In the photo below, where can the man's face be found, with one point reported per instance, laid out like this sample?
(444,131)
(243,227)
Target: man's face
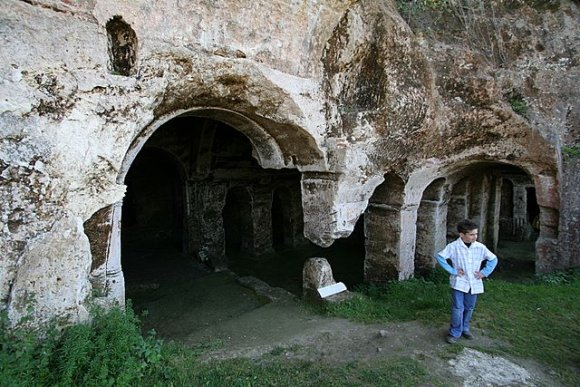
(469,236)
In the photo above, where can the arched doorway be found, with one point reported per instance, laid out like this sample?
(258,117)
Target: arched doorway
(268,159)
(224,209)
(501,199)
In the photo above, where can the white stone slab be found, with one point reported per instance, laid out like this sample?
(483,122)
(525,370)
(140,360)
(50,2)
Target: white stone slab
(331,289)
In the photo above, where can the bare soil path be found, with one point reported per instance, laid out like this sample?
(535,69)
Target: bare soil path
(231,317)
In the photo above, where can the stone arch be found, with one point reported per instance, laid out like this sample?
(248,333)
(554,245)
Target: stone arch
(477,192)
(474,189)
(122,46)
(267,152)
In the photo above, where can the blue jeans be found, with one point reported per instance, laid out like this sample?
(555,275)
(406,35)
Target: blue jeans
(461,312)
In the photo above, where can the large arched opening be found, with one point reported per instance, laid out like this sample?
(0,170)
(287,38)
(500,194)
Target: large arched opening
(501,199)
(197,194)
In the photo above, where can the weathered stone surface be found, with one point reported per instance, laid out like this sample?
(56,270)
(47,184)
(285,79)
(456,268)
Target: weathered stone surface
(265,291)
(52,279)
(316,274)
(480,369)
(365,103)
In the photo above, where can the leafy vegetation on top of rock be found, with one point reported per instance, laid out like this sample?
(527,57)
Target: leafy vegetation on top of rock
(572,151)
(519,105)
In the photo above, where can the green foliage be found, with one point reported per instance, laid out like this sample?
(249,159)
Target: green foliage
(24,354)
(519,105)
(572,151)
(538,320)
(109,351)
(559,277)
(277,351)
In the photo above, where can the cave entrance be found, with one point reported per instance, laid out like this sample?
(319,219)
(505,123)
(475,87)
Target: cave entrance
(501,198)
(198,201)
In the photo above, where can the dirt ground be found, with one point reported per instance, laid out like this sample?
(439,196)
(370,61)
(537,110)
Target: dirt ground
(230,316)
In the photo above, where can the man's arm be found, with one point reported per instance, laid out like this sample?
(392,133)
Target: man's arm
(447,267)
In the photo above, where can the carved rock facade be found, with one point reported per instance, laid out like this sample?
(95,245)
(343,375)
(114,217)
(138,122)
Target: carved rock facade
(361,113)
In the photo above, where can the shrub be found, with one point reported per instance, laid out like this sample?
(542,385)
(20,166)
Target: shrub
(519,105)
(109,351)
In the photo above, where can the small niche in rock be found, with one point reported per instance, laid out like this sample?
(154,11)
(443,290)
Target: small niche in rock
(122,46)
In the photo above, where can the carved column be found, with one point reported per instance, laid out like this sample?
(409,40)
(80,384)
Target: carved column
(547,252)
(262,219)
(209,200)
(389,233)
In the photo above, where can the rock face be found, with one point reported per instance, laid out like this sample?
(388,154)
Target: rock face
(412,117)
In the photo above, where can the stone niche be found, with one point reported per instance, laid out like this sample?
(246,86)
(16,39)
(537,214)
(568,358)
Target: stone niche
(229,136)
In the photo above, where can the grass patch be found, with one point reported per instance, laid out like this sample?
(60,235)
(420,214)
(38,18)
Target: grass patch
(112,352)
(424,299)
(519,105)
(539,319)
(243,372)
(572,151)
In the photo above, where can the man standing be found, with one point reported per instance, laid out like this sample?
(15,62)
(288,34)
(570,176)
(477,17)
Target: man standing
(466,275)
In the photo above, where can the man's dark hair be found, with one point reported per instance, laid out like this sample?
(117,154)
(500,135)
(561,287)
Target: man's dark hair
(466,225)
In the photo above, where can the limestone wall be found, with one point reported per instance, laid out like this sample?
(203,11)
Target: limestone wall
(343,91)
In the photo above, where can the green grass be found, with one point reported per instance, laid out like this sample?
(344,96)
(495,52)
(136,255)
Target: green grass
(243,372)
(112,352)
(538,320)
(572,151)
(416,299)
(519,105)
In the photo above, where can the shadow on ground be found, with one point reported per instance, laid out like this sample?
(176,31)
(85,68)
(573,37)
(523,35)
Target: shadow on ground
(228,316)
